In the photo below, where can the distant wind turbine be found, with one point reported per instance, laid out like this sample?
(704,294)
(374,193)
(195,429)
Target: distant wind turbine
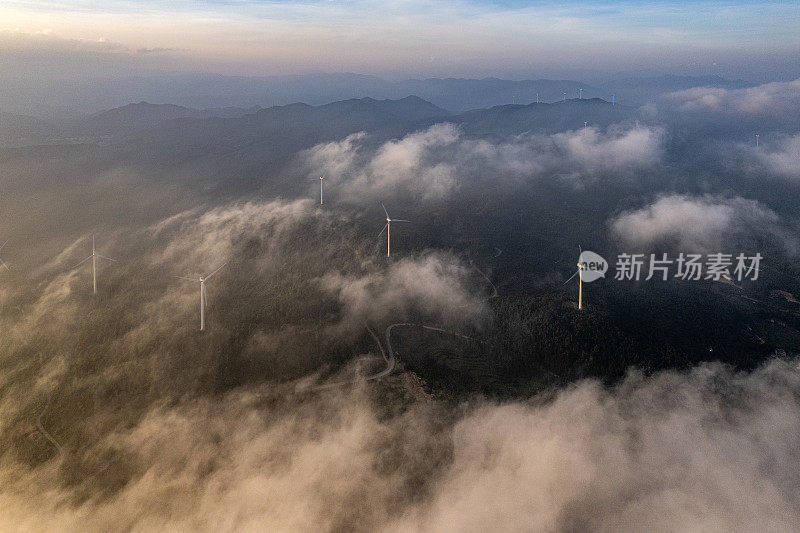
(203,297)
(321,179)
(579,273)
(388,228)
(585,125)
(580,94)
(3,263)
(756,140)
(94,257)
(564,99)
(537,98)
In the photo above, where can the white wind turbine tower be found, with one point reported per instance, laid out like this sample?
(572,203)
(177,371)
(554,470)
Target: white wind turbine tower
(580,94)
(203,297)
(3,263)
(756,140)
(94,257)
(321,179)
(579,273)
(388,228)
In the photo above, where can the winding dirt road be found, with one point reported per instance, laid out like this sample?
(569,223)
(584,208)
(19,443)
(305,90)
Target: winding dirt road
(390,362)
(44,432)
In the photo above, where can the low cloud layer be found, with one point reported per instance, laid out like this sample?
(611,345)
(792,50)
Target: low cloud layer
(710,449)
(781,157)
(768,99)
(435,285)
(699,223)
(298,284)
(433,163)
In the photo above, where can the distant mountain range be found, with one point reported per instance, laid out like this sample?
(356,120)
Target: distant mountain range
(542,118)
(212,91)
(168,128)
(639,90)
(297,126)
(136,117)
(242,150)
(271,136)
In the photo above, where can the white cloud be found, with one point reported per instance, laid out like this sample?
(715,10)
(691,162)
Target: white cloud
(433,163)
(782,157)
(709,449)
(698,223)
(435,284)
(202,239)
(616,149)
(769,99)
(662,454)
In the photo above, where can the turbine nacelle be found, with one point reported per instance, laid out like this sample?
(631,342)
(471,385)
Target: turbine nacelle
(388,229)
(94,257)
(203,297)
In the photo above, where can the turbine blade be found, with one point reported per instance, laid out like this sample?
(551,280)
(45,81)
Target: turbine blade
(104,257)
(205,294)
(572,276)
(217,270)
(385,211)
(4,265)
(82,262)
(1,245)
(399,220)
(384,229)
(187,279)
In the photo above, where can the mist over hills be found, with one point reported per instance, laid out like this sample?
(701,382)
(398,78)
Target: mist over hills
(399,267)
(117,413)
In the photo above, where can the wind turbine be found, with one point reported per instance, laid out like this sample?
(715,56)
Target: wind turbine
(579,273)
(564,98)
(580,94)
(321,179)
(388,228)
(756,140)
(585,125)
(203,297)
(3,263)
(94,257)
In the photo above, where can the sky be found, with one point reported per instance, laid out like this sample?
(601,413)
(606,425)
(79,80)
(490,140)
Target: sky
(408,38)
